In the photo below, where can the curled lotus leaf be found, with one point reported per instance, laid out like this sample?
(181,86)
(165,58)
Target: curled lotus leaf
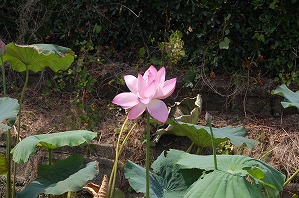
(187,110)
(9,108)
(291,99)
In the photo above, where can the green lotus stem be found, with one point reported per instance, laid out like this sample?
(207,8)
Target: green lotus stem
(189,148)
(19,126)
(118,151)
(147,159)
(21,102)
(50,156)
(116,164)
(114,168)
(8,139)
(291,178)
(126,138)
(213,144)
(8,156)
(3,77)
(197,151)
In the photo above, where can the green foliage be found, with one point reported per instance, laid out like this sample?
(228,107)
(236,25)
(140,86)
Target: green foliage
(62,176)
(249,30)
(174,48)
(89,115)
(225,148)
(214,185)
(80,80)
(27,146)
(77,78)
(236,176)
(287,77)
(225,43)
(221,34)
(166,180)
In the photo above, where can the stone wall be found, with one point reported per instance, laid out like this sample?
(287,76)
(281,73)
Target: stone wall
(225,96)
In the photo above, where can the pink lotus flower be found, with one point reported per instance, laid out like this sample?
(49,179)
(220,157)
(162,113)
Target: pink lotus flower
(2,48)
(146,92)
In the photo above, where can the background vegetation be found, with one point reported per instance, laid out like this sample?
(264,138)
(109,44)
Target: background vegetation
(219,36)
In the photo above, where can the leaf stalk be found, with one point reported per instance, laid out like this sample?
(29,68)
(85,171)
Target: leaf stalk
(213,144)
(147,160)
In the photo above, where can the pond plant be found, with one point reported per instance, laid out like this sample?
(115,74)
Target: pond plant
(147,90)
(174,174)
(291,99)
(180,174)
(56,177)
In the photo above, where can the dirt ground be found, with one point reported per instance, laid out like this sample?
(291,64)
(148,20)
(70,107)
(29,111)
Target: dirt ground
(278,134)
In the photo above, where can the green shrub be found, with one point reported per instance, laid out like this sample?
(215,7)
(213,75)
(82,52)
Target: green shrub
(227,36)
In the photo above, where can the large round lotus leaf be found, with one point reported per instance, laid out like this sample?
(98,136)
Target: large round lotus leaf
(236,174)
(38,56)
(27,146)
(166,179)
(220,184)
(62,176)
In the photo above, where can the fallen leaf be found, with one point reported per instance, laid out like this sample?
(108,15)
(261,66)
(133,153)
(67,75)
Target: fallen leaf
(96,190)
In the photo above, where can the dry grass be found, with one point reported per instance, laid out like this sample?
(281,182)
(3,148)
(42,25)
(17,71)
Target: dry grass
(280,150)
(286,152)
(279,139)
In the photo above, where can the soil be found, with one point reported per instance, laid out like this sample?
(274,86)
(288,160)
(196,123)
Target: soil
(276,132)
